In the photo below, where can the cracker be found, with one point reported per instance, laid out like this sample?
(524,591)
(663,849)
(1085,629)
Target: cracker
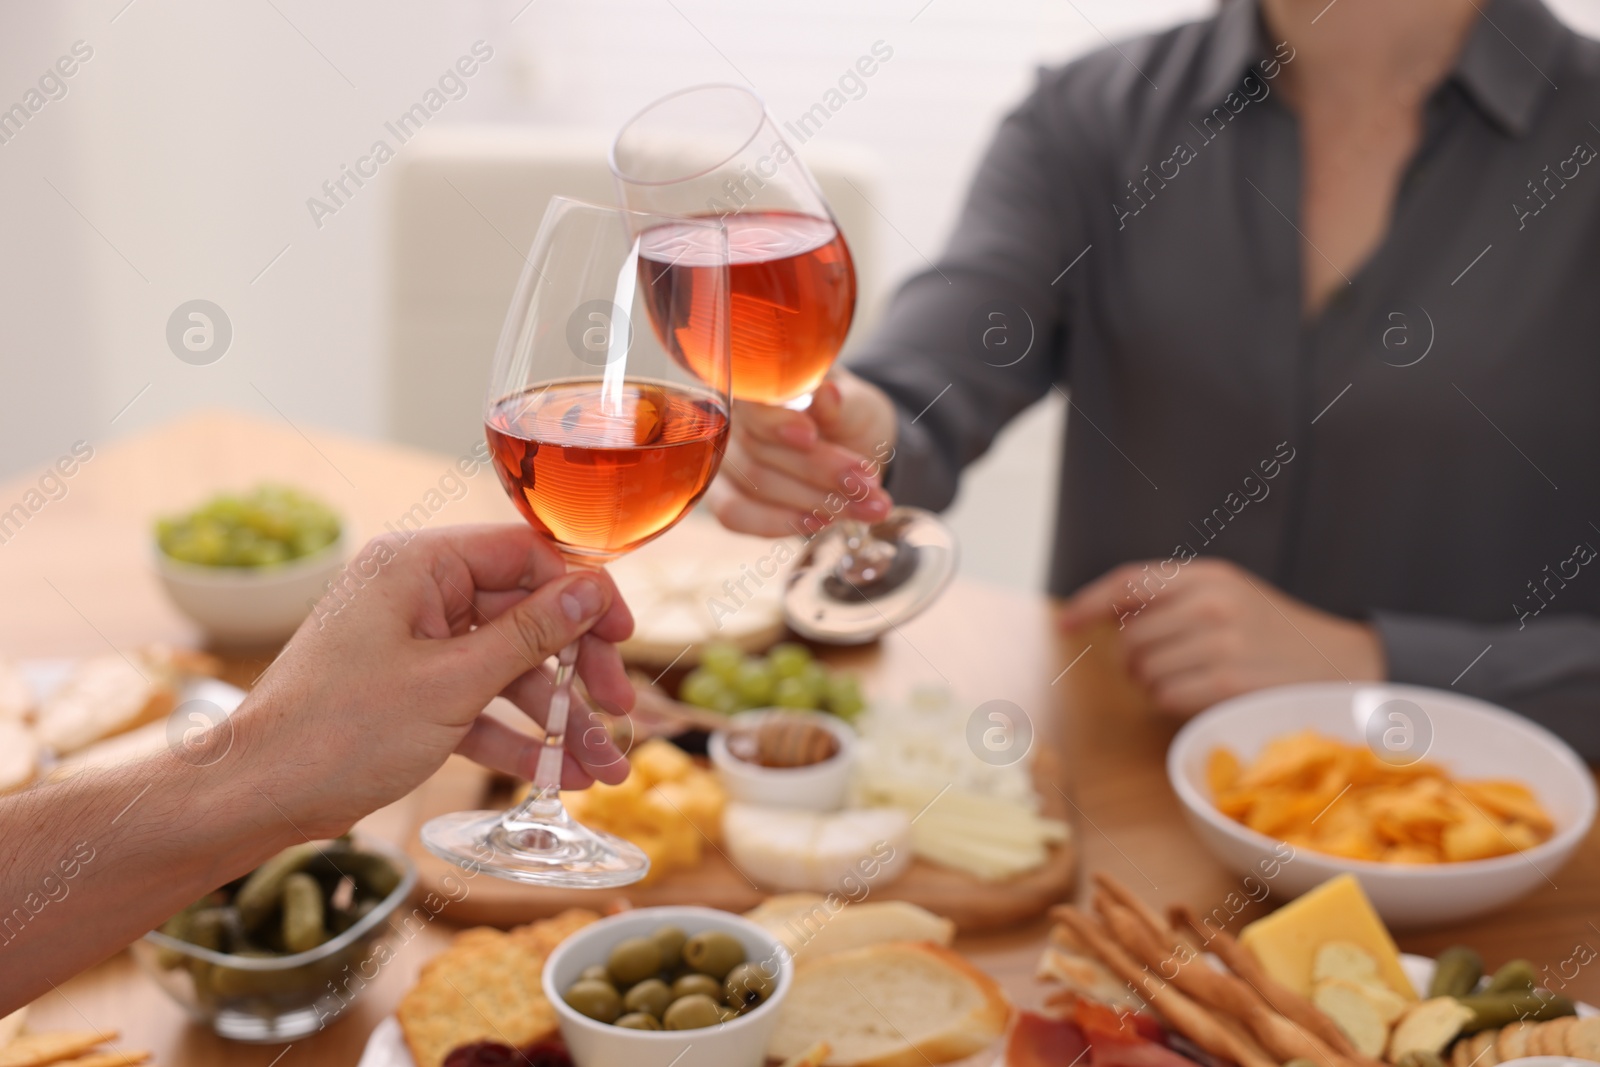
(486,990)
(1512,1043)
(36,1050)
(1582,1038)
(1550,1038)
(1480,1049)
(542,937)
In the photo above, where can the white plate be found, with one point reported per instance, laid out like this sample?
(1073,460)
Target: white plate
(387,1047)
(45,676)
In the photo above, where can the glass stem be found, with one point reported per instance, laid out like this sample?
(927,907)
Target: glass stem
(866,557)
(544,799)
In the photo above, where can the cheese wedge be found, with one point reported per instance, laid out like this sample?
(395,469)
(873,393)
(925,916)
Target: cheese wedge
(1286,942)
(841,851)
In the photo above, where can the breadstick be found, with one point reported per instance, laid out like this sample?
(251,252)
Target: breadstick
(1290,1004)
(1215,989)
(1130,900)
(1188,1018)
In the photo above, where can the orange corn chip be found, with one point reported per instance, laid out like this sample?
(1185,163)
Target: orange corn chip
(1328,796)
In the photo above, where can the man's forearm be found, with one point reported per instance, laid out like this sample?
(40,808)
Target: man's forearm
(92,863)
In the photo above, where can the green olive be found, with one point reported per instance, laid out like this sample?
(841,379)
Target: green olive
(650,996)
(634,960)
(670,940)
(597,973)
(690,984)
(638,1020)
(692,1012)
(713,952)
(728,1014)
(747,985)
(597,1000)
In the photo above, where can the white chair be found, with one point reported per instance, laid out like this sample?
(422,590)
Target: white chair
(467,206)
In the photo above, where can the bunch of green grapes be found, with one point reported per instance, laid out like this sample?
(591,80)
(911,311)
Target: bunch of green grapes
(270,524)
(788,676)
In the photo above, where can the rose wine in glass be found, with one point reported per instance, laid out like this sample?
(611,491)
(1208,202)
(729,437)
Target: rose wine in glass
(604,435)
(793,289)
(712,151)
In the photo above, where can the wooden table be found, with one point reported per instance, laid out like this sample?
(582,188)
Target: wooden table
(77,579)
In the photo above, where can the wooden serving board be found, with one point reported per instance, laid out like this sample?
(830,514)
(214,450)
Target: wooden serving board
(975,906)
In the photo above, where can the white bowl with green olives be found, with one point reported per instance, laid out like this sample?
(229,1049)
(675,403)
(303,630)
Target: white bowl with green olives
(671,985)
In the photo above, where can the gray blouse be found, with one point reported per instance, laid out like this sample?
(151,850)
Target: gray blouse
(1424,453)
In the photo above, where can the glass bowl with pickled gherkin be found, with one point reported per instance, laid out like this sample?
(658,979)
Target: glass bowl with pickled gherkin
(284,950)
(248,566)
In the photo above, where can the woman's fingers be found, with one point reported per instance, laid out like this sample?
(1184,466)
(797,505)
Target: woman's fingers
(738,511)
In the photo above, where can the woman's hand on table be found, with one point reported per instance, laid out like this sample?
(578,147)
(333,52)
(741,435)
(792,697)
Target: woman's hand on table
(788,472)
(376,689)
(1214,631)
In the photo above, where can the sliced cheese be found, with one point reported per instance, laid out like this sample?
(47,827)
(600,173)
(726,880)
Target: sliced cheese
(842,851)
(1286,942)
(813,925)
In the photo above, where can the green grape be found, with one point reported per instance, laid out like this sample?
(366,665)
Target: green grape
(754,683)
(788,659)
(814,676)
(722,660)
(726,701)
(792,693)
(844,696)
(267,526)
(701,688)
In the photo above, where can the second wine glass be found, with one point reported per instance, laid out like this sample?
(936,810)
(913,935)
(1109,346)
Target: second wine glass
(713,151)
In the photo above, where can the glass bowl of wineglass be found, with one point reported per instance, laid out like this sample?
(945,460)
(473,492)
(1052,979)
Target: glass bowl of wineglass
(607,416)
(713,151)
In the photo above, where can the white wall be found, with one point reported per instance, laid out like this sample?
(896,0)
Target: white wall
(182,156)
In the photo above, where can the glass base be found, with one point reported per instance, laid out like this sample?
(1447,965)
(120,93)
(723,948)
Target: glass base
(554,850)
(824,604)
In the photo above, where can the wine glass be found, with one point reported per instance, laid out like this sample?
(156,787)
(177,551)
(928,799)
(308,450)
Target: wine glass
(713,151)
(605,433)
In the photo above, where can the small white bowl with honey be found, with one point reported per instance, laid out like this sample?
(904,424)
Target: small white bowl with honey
(785,758)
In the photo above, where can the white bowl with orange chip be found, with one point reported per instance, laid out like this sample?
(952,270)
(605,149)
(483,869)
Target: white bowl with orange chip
(1422,845)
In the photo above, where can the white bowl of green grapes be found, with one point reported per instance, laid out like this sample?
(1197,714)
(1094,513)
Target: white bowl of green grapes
(248,567)
(729,680)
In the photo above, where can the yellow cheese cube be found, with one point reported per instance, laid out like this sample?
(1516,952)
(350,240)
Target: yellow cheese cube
(658,761)
(1286,941)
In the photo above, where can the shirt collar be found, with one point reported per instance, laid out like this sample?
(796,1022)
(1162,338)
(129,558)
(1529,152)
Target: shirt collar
(1510,61)
(1506,67)
(1236,43)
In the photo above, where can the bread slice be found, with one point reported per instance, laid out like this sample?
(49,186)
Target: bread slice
(896,1004)
(811,925)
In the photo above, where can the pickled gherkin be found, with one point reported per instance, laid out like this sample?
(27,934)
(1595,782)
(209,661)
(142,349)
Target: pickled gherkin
(1456,973)
(262,891)
(303,923)
(295,902)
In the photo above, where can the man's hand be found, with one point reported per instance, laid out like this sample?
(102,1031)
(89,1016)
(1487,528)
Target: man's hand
(790,472)
(370,696)
(367,700)
(1214,630)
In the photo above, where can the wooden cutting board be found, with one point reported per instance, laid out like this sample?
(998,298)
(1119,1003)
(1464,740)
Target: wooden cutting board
(973,905)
